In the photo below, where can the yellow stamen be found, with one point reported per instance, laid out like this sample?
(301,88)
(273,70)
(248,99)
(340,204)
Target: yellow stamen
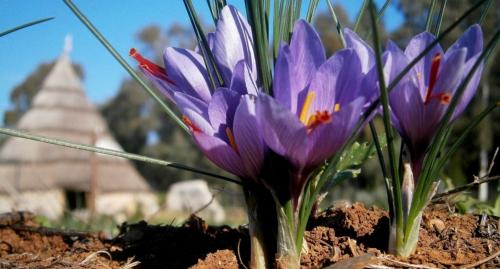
(231,139)
(311,119)
(336,108)
(305,107)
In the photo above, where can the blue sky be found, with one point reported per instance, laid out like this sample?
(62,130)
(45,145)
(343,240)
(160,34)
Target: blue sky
(118,20)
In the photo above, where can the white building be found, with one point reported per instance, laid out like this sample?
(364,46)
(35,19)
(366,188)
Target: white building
(48,179)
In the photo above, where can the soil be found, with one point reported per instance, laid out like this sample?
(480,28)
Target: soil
(343,237)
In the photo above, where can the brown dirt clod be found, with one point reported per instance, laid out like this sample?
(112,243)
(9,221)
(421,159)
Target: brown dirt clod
(342,237)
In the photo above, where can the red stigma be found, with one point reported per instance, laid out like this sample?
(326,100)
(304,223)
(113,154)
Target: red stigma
(190,124)
(436,60)
(320,117)
(149,66)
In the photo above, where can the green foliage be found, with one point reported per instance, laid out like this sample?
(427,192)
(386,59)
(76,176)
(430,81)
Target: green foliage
(358,153)
(72,222)
(466,203)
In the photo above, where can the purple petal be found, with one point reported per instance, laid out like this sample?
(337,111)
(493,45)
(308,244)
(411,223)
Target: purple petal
(162,85)
(416,121)
(448,79)
(297,63)
(406,100)
(281,129)
(219,152)
(364,51)
(398,61)
(423,67)
(243,80)
(472,39)
(233,42)
(395,62)
(187,70)
(326,139)
(337,81)
(307,50)
(247,136)
(282,88)
(451,72)
(195,110)
(471,88)
(221,109)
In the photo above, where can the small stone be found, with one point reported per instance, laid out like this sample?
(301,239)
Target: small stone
(437,225)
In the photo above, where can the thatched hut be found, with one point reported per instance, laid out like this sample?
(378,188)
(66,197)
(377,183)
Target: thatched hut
(49,179)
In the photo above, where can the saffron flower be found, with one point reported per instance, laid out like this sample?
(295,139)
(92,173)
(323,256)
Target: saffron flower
(221,117)
(419,101)
(317,102)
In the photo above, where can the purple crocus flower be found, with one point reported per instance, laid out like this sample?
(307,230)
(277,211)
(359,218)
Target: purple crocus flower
(317,102)
(419,101)
(185,69)
(222,118)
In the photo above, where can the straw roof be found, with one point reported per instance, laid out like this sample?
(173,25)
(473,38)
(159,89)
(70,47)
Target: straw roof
(61,110)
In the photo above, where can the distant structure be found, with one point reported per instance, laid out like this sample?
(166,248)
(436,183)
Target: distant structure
(194,196)
(50,180)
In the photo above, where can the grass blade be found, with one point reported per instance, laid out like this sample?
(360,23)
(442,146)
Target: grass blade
(338,26)
(276,28)
(440,17)
(389,132)
(124,64)
(465,133)
(428,23)
(311,10)
(360,15)
(17,28)
(257,13)
(110,152)
(208,57)
(387,182)
(484,12)
(213,10)
(379,15)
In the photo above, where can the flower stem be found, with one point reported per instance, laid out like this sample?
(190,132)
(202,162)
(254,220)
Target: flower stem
(258,253)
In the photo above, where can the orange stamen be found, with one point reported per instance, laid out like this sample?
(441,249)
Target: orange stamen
(190,124)
(444,98)
(433,76)
(320,117)
(230,137)
(151,67)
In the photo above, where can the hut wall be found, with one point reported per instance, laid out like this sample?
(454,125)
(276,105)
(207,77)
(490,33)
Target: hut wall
(48,203)
(123,204)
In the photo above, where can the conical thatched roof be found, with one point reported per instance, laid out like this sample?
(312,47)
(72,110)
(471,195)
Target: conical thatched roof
(61,110)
